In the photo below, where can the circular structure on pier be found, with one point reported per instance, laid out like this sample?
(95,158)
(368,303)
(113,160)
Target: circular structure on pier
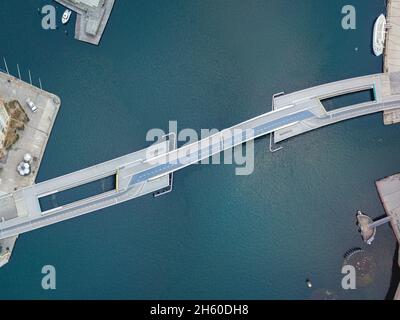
(323,294)
(24,169)
(365,265)
(28,158)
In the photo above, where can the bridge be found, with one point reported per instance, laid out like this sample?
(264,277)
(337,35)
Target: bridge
(151,170)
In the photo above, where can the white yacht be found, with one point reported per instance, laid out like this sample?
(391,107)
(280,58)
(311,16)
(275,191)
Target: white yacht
(66,16)
(379,36)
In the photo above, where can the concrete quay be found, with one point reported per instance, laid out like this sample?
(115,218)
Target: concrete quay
(91,21)
(6,248)
(389,192)
(33,139)
(391,59)
(392,47)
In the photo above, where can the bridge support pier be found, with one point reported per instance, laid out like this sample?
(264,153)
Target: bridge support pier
(271,136)
(171,137)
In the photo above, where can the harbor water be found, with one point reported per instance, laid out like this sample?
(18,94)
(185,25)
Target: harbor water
(206,64)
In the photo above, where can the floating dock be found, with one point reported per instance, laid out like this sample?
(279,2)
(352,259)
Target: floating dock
(389,192)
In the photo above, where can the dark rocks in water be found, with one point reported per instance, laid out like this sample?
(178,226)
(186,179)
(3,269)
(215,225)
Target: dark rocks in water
(351,251)
(323,294)
(395,279)
(364,264)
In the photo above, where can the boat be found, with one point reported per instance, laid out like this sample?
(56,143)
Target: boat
(378,41)
(66,16)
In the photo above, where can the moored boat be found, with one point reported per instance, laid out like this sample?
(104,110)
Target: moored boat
(378,41)
(66,16)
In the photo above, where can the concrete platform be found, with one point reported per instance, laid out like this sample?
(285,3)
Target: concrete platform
(389,192)
(393,116)
(391,60)
(90,22)
(8,208)
(6,248)
(33,139)
(392,47)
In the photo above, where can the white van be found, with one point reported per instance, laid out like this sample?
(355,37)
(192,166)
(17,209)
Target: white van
(31,105)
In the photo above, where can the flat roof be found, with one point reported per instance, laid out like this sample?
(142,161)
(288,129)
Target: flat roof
(90,3)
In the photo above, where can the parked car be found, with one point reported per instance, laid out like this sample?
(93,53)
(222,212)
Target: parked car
(31,105)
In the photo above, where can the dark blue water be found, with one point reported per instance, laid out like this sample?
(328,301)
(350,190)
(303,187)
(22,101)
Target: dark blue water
(75,194)
(206,64)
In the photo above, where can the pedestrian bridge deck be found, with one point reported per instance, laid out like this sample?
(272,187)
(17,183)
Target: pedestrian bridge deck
(384,100)
(143,172)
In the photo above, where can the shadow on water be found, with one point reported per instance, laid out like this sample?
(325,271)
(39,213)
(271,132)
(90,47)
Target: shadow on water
(395,280)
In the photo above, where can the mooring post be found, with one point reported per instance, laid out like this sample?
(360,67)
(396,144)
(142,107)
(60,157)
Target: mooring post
(5,64)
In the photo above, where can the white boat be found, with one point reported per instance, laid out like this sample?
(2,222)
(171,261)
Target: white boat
(66,16)
(378,41)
